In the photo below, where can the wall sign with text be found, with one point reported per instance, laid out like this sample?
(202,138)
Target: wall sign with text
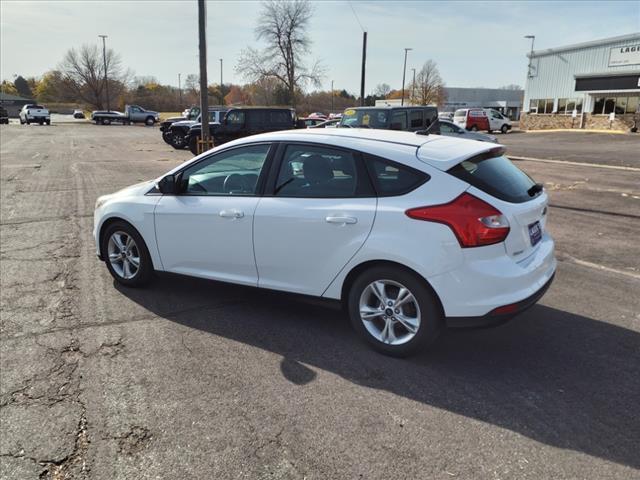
(629,55)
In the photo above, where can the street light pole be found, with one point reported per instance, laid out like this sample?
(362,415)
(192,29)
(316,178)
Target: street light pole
(204,99)
(413,86)
(180,89)
(104,57)
(221,84)
(331,96)
(404,72)
(532,38)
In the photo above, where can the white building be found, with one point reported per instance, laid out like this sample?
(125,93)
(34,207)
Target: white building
(587,85)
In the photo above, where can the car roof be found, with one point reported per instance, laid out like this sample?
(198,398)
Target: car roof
(392,107)
(438,151)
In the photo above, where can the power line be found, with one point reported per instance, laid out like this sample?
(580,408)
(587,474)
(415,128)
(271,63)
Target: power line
(355,15)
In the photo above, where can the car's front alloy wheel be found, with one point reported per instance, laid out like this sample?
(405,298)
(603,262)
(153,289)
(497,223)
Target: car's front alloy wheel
(126,255)
(394,310)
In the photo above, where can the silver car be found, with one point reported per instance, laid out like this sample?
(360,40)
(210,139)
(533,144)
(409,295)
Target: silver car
(450,129)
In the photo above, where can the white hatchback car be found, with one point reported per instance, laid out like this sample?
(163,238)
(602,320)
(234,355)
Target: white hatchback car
(410,232)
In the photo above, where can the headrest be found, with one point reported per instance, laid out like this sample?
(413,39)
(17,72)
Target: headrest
(317,169)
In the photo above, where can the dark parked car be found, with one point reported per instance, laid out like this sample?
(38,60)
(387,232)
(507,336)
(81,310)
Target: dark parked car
(178,131)
(191,114)
(412,119)
(242,122)
(78,114)
(4,116)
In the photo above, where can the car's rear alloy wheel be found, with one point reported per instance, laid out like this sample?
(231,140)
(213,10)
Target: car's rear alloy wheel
(389,312)
(394,310)
(126,255)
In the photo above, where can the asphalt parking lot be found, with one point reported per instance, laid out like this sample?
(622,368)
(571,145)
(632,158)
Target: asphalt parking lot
(190,379)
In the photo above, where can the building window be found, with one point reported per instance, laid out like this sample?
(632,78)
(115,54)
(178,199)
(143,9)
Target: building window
(619,105)
(542,105)
(566,106)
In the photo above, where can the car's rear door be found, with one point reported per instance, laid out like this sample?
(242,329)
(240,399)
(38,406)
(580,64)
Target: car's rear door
(207,231)
(319,212)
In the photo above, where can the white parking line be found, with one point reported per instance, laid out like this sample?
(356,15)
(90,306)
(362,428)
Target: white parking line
(580,164)
(583,263)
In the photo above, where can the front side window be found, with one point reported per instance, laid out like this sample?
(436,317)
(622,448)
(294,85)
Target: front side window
(309,171)
(446,128)
(233,172)
(390,178)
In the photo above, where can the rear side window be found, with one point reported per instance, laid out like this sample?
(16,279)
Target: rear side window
(282,117)
(460,113)
(309,171)
(416,119)
(496,176)
(399,121)
(391,178)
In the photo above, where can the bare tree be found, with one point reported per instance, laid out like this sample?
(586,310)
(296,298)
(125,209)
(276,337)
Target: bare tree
(83,72)
(283,26)
(429,87)
(511,86)
(382,90)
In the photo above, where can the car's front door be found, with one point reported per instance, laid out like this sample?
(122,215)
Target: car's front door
(206,231)
(495,120)
(319,213)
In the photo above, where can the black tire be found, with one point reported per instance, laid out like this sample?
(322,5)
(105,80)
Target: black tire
(177,141)
(166,136)
(48,122)
(150,121)
(145,271)
(489,131)
(21,121)
(504,129)
(193,144)
(474,128)
(28,122)
(40,122)
(431,317)
(106,121)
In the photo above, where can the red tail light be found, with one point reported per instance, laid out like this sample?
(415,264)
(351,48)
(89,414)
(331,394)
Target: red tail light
(473,221)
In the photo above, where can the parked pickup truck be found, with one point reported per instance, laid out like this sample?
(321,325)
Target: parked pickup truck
(132,114)
(32,113)
(242,122)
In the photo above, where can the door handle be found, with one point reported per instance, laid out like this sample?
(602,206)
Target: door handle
(231,214)
(342,220)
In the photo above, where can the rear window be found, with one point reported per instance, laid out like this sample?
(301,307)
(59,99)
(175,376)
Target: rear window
(35,106)
(460,113)
(497,176)
(391,178)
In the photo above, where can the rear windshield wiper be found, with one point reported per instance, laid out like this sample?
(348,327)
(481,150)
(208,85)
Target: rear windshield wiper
(537,188)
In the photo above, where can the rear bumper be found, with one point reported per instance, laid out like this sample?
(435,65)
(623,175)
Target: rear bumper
(491,319)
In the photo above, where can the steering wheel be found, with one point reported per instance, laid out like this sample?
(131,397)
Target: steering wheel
(235,181)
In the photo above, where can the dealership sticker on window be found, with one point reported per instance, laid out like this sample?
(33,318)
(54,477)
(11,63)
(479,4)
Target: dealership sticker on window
(365,119)
(350,112)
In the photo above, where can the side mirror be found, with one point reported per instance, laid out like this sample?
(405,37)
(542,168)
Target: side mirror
(168,185)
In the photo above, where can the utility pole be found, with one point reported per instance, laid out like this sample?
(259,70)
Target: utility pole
(364,62)
(413,86)
(221,85)
(404,72)
(180,90)
(331,96)
(204,100)
(529,72)
(104,57)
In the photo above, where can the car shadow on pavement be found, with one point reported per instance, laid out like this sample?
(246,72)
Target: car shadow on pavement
(561,379)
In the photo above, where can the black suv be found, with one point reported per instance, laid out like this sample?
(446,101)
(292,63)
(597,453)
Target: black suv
(242,122)
(412,119)
(4,116)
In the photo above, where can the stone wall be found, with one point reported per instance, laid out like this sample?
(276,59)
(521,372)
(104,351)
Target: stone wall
(590,122)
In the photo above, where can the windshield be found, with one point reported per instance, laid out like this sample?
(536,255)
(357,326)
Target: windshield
(367,118)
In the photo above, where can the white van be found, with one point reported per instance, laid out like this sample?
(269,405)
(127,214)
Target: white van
(497,121)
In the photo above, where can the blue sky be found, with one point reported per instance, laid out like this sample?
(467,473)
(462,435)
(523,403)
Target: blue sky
(474,43)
